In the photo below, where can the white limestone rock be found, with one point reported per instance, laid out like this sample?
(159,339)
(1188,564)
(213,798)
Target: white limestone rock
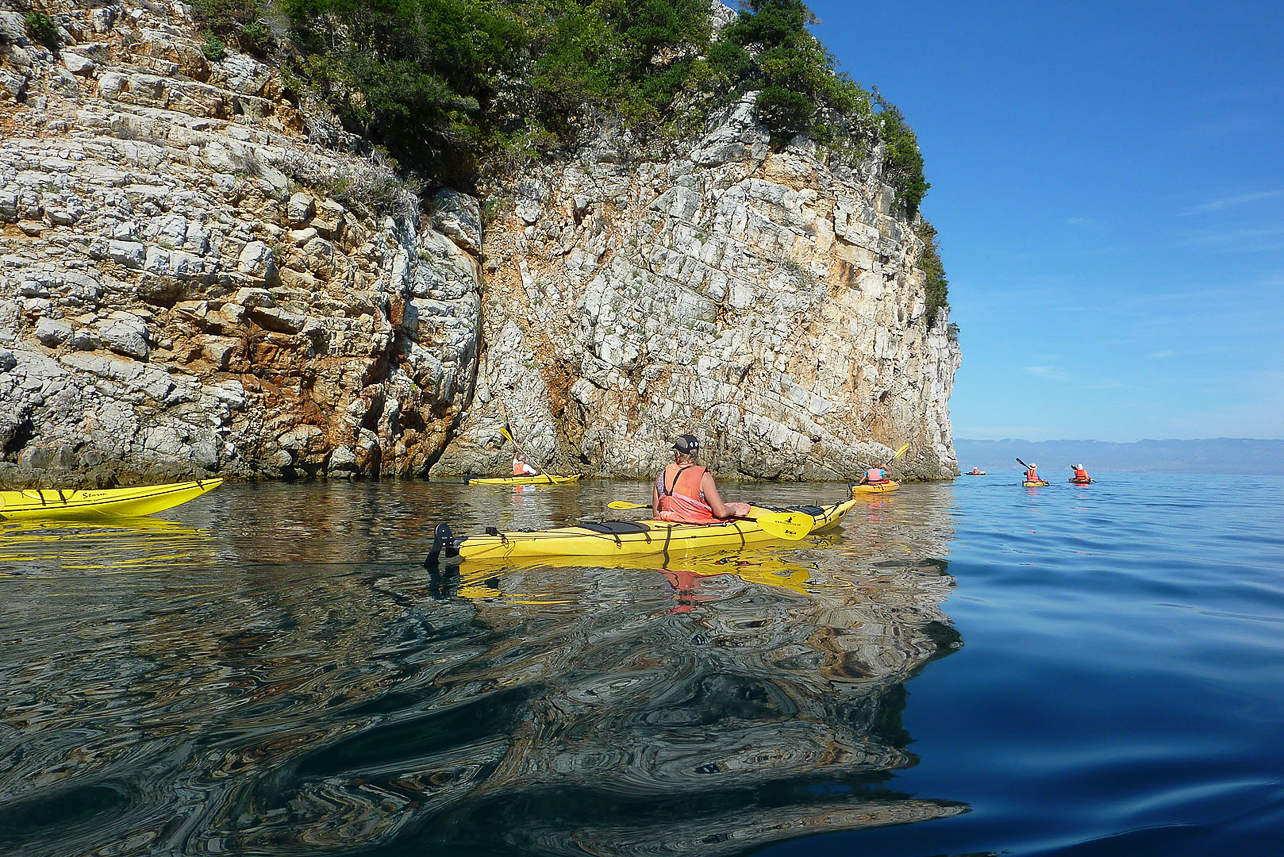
(126,334)
(458,216)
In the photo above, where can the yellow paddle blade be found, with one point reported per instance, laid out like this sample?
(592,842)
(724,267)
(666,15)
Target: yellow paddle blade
(785,525)
(625,504)
(505,433)
(899,453)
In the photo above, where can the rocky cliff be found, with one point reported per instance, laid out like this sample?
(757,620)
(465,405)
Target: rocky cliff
(197,276)
(191,281)
(767,302)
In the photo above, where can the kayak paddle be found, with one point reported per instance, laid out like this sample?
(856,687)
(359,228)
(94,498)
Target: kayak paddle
(782,525)
(898,454)
(504,431)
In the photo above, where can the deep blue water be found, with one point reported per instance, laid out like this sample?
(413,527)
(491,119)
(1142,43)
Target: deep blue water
(966,668)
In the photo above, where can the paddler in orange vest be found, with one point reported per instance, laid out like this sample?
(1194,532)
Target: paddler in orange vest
(685,492)
(975,471)
(1032,473)
(1080,475)
(521,468)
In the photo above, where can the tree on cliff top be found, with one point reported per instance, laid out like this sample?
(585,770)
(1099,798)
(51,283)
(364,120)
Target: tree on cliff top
(769,49)
(453,87)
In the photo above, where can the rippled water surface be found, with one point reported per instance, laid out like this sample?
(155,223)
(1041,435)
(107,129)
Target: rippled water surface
(971,668)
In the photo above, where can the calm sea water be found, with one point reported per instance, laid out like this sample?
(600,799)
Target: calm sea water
(966,668)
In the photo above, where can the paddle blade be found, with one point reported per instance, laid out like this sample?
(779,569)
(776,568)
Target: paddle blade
(898,454)
(625,504)
(785,525)
(504,432)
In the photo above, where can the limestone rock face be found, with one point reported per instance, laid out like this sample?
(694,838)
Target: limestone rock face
(190,285)
(767,302)
(179,293)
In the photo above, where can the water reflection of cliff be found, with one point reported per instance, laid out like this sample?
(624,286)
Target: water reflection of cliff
(559,710)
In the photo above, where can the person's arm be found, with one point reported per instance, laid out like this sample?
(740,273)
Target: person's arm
(655,497)
(714,499)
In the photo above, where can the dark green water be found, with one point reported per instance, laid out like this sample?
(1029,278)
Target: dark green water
(963,668)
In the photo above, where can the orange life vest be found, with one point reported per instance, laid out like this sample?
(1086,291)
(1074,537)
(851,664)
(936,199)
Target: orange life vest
(686,483)
(1032,475)
(521,468)
(1080,474)
(683,503)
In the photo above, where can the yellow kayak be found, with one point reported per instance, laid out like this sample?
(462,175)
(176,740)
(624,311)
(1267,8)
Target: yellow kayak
(622,538)
(881,488)
(541,479)
(1038,484)
(57,504)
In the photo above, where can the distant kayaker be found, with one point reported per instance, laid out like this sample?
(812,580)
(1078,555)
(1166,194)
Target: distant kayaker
(685,493)
(975,471)
(1032,473)
(874,476)
(1080,475)
(521,468)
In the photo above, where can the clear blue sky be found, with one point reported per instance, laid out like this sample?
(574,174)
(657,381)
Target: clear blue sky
(1108,185)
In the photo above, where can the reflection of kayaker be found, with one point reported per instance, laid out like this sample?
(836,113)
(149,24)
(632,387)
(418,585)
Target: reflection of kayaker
(686,572)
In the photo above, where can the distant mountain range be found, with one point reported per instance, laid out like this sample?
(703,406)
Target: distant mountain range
(1219,455)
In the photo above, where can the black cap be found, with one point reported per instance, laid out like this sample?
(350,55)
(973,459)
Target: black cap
(686,444)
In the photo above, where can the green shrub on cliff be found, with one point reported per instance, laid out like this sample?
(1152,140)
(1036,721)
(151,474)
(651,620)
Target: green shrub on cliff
(935,285)
(419,76)
(239,22)
(902,160)
(41,27)
(213,47)
(769,49)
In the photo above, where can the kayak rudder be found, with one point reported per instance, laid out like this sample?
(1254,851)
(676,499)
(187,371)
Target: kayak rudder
(444,548)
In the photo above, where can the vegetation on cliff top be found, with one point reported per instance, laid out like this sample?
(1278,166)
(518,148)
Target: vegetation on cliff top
(451,86)
(458,88)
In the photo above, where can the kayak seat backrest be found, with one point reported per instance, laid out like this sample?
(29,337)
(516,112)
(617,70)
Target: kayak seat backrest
(616,528)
